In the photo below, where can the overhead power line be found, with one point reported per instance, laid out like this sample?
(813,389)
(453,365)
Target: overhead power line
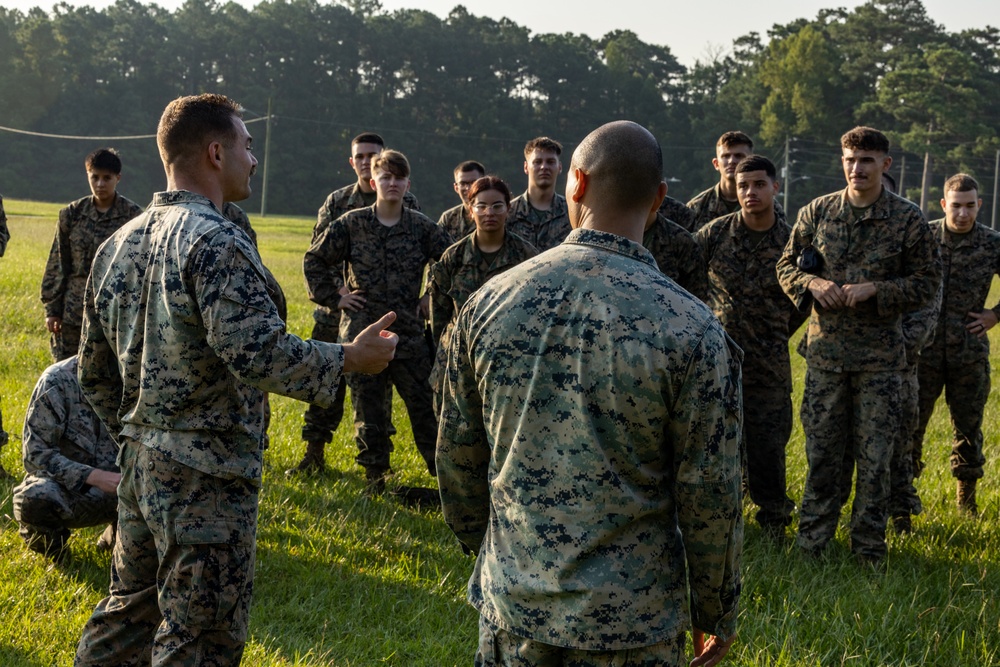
(85,138)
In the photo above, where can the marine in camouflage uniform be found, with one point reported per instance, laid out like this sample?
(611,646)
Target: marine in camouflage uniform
(957,360)
(64,442)
(856,355)
(749,302)
(677,254)
(589,454)
(676,212)
(204,340)
(457,222)
(387,264)
(81,229)
(462,270)
(542,229)
(320,423)
(708,205)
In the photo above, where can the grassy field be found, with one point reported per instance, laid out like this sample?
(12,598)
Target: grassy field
(348,581)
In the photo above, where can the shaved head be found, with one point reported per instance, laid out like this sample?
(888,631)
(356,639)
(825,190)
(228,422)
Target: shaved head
(623,163)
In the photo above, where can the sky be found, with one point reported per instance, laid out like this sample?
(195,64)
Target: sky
(692,30)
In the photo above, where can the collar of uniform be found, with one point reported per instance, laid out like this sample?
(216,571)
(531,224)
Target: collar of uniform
(172,197)
(521,203)
(959,240)
(610,242)
(880,210)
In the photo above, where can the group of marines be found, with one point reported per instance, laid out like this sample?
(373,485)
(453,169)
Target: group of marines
(895,309)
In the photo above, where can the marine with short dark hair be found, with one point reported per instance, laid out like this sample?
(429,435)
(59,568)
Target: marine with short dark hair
(539,214)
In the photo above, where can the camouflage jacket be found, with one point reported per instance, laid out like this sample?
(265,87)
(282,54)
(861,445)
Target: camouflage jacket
(677,254)
(457,222)
(542,229)
(4,232)
(350,198)
(178,298)
(387,263)
(747,298)
(460,272)
(891,246)
(64,440)
(238,217)
(676,212)
(709,205)
(80,230)
(971,260)
(588,450)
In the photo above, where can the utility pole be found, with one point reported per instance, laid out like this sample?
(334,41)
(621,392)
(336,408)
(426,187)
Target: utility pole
(902,176)
(788,171)
(267,153)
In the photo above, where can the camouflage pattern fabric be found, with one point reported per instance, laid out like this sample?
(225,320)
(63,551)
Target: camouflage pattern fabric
(676,212)
(542,229)
(81,229)
(386,262)
(320,423)
(708,205)
(678,255)
(840,408)
(588,451)
(891,246)
(235,215)
(4,232)
(192,605)
(351,198)
(183,290)
(855,355)
(744,293)
(499,648)
(460,272)
(63,442)
(457,222)
(966,388)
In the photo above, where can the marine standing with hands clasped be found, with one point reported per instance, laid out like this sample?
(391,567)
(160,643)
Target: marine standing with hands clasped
(865,257)
(180,340)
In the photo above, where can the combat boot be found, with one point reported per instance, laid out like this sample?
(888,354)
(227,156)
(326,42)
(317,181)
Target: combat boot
(312,462)
(967,497)
(375,481)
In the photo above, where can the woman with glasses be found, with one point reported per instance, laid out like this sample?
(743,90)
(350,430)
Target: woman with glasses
(466,265)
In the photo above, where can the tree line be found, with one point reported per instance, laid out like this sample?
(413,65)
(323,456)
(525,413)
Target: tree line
(472,87)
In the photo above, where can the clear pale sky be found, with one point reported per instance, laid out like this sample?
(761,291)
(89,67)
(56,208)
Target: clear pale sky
(692,30)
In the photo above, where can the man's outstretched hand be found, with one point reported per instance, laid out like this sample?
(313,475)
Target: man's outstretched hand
(372,349)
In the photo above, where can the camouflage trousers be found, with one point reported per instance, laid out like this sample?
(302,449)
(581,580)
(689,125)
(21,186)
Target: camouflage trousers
(903,497)
(372,419)
(48,510)
(321,423)
(181,570)
(859,410)
(966,389)
(499,648)
(66,343)
(767,424)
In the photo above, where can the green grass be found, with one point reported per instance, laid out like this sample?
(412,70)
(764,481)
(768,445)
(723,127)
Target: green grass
(352,582)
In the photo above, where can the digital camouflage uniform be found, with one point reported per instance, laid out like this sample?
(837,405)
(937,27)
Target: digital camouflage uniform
(64,441)
(957,361)
(457,222)
(542,229)
(462,270)
(678,255)
(710,204)
(320,423)
(589,453)
(856,356)
(388,264)
(675,211)
(178,297)
(745,295)
(81,229)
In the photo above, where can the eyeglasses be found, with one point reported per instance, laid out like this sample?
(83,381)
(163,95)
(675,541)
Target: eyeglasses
(498,207)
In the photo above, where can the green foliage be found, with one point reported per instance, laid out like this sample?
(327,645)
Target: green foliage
(350,582)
